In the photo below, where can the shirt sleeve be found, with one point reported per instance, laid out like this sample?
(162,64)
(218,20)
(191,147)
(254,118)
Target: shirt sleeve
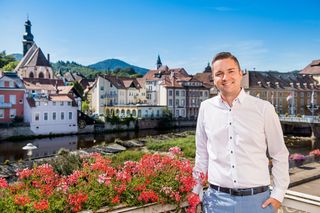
(201,159)
(278,153)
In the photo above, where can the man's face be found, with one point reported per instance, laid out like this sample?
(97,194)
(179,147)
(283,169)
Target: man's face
(227,77)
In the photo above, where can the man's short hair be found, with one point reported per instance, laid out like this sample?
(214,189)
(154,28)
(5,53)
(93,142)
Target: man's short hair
(225,55)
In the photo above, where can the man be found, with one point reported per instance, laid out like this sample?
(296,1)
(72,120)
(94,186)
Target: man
(235,131)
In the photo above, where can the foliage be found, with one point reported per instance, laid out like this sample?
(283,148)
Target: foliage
(85,107)
(186,144)
(65,163)
(5,59)
(154,178)
(10,66)
(89,72)
(129,155)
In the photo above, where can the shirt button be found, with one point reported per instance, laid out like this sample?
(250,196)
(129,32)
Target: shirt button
(230,123)
(234,181)
(229,110)
(230,137)
(232,166)
(231,152)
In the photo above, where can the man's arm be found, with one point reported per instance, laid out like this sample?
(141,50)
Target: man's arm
(201,160)
(278,152)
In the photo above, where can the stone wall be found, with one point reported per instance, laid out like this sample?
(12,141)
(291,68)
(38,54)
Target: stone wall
(15,131)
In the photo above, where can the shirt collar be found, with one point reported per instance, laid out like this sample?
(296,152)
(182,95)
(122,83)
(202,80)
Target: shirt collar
(240,98)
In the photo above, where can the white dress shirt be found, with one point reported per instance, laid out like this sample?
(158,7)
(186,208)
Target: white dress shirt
(232,142)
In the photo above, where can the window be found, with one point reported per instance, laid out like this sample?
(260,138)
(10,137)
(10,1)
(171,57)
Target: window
(170,92)
(45,116)
(1,98)
(53,103)
(170,102)
(177,113)
(11,84)
(177,92)
(177,102)
(183,93)
(54,116)
(1,113)
(69,103)
(182,102)
(110,84)
(62,116)
(1,83)
(13,99)
(61,103)
(206,94)
(36,116)
(102,88)
(70,115)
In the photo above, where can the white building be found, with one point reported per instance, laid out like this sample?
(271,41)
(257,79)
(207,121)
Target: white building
(108,91)
(51,114)
(50,107)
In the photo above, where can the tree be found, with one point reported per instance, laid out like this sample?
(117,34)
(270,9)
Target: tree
(11,66)
(5,59)
(85,106)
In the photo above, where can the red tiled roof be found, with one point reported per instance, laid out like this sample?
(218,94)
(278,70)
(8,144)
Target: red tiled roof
(313,68)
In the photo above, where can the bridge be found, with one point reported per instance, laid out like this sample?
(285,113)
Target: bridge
(303,119)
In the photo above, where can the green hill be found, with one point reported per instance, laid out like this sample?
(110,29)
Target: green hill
(113,64)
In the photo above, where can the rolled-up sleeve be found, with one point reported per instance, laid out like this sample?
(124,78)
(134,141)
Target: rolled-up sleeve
(201,159)
(278,152)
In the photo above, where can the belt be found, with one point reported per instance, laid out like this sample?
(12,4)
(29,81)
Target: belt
(241,192)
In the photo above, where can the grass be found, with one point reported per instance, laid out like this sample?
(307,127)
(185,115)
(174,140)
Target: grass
(186,144)
(121,157)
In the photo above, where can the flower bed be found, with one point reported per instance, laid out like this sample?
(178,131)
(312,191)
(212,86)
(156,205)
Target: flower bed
(163,179)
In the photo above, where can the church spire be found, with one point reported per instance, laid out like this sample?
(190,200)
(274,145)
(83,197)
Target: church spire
(159,63)
(27,37)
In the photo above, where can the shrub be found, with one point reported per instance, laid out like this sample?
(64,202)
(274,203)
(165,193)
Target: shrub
(154,178)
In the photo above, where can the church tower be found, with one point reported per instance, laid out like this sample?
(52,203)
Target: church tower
(159,63)
(27,37)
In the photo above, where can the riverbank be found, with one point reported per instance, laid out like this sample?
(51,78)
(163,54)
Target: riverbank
(25,133)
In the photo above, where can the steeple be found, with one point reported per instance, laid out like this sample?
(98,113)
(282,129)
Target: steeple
(208,68)
(159,63)
(27,37)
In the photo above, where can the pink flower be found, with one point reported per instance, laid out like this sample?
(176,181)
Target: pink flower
(315,152)
(116,199)
(41,205)
(297,157)
(148,196)
(193,200)
(3,183)
(25,173)
(175,151)
(21,200)
(103,178)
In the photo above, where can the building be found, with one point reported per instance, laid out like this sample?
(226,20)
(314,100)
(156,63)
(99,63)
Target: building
(109,91)
(12,93)
(290,93)
(50,107)
(33,64)
(175,88)
(312,69)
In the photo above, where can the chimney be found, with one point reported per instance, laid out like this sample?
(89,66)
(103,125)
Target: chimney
(48,57)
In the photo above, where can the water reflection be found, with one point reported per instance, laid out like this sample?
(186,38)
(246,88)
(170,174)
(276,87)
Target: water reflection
(49,146)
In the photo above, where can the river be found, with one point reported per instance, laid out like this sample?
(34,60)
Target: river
(12,150)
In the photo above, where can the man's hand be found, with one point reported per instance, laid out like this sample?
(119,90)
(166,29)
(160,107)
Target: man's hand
(274,202)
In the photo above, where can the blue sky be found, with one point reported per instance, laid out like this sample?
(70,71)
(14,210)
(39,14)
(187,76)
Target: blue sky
(265,35)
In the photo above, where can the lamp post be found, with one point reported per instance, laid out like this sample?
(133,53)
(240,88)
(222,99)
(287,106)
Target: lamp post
(29,147)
